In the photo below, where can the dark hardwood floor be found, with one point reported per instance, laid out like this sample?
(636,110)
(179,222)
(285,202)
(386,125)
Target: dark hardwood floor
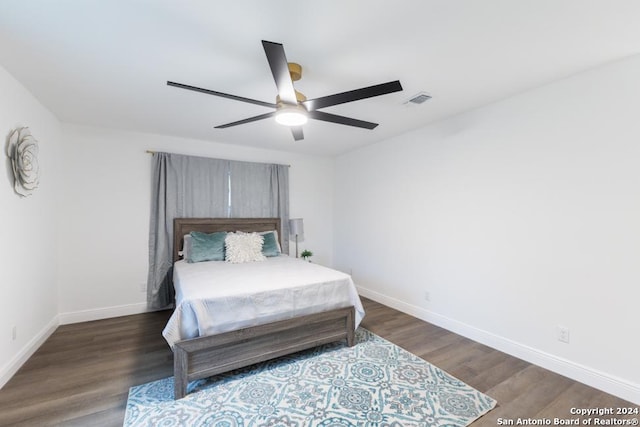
(522,390)
(81,375)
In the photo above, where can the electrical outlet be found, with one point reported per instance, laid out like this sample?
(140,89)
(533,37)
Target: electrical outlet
(427,296)
(563,334)
(143,287)
(14,333)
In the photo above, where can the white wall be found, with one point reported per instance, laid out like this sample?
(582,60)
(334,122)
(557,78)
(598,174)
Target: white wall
(515,218)
(105,213)
(28,252)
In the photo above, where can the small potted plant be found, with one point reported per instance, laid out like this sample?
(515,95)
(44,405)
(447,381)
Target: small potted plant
(306,254)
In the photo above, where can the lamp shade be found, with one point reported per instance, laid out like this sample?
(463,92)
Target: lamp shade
(296,228)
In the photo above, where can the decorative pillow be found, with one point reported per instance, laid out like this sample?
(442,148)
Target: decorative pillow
(243,247)
(206,247)
(270,247)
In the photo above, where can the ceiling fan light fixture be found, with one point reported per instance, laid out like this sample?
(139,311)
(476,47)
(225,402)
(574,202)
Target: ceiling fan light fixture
(291,115)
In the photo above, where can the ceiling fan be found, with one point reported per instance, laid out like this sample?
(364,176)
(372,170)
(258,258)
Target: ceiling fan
(292,108)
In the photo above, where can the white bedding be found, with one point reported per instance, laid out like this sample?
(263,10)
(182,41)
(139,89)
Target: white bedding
(216,296)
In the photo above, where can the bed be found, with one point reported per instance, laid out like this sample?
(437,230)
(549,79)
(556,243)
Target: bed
(228,316)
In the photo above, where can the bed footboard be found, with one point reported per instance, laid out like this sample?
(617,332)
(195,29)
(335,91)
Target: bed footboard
(211,355)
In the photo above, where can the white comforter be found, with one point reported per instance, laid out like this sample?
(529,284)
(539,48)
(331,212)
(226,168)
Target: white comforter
(216,296)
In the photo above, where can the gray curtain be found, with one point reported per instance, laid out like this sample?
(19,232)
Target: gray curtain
(200,187)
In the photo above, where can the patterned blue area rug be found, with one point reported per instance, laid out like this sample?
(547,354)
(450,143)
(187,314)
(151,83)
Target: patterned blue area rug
(374,383)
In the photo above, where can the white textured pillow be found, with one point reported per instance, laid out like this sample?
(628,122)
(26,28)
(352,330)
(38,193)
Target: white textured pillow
(243,247)
(186,246)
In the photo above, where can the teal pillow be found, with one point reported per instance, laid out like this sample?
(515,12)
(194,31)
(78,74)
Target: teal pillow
(270,246)
(206,247)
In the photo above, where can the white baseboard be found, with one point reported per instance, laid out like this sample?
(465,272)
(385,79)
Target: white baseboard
(584,374)
(27,351)
(102,313)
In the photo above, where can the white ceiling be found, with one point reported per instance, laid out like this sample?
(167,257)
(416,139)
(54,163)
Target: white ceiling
(106,62)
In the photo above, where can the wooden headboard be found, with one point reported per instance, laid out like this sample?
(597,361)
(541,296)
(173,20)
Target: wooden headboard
(182,226)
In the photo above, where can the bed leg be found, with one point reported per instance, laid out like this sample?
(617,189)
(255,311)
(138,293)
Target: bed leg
(351,327)
(180,372)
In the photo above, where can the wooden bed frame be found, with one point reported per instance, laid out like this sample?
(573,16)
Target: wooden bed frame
(211,355)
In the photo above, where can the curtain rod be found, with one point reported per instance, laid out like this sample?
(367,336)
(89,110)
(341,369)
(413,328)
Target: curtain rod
(154,152)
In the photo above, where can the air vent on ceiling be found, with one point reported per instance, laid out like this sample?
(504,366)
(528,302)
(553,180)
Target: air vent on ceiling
(419,98)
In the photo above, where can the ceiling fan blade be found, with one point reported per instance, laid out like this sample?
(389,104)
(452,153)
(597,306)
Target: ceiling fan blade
(280,70)
(224,95)
(353,95)
(296,131)
(333,118)
(249,120)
